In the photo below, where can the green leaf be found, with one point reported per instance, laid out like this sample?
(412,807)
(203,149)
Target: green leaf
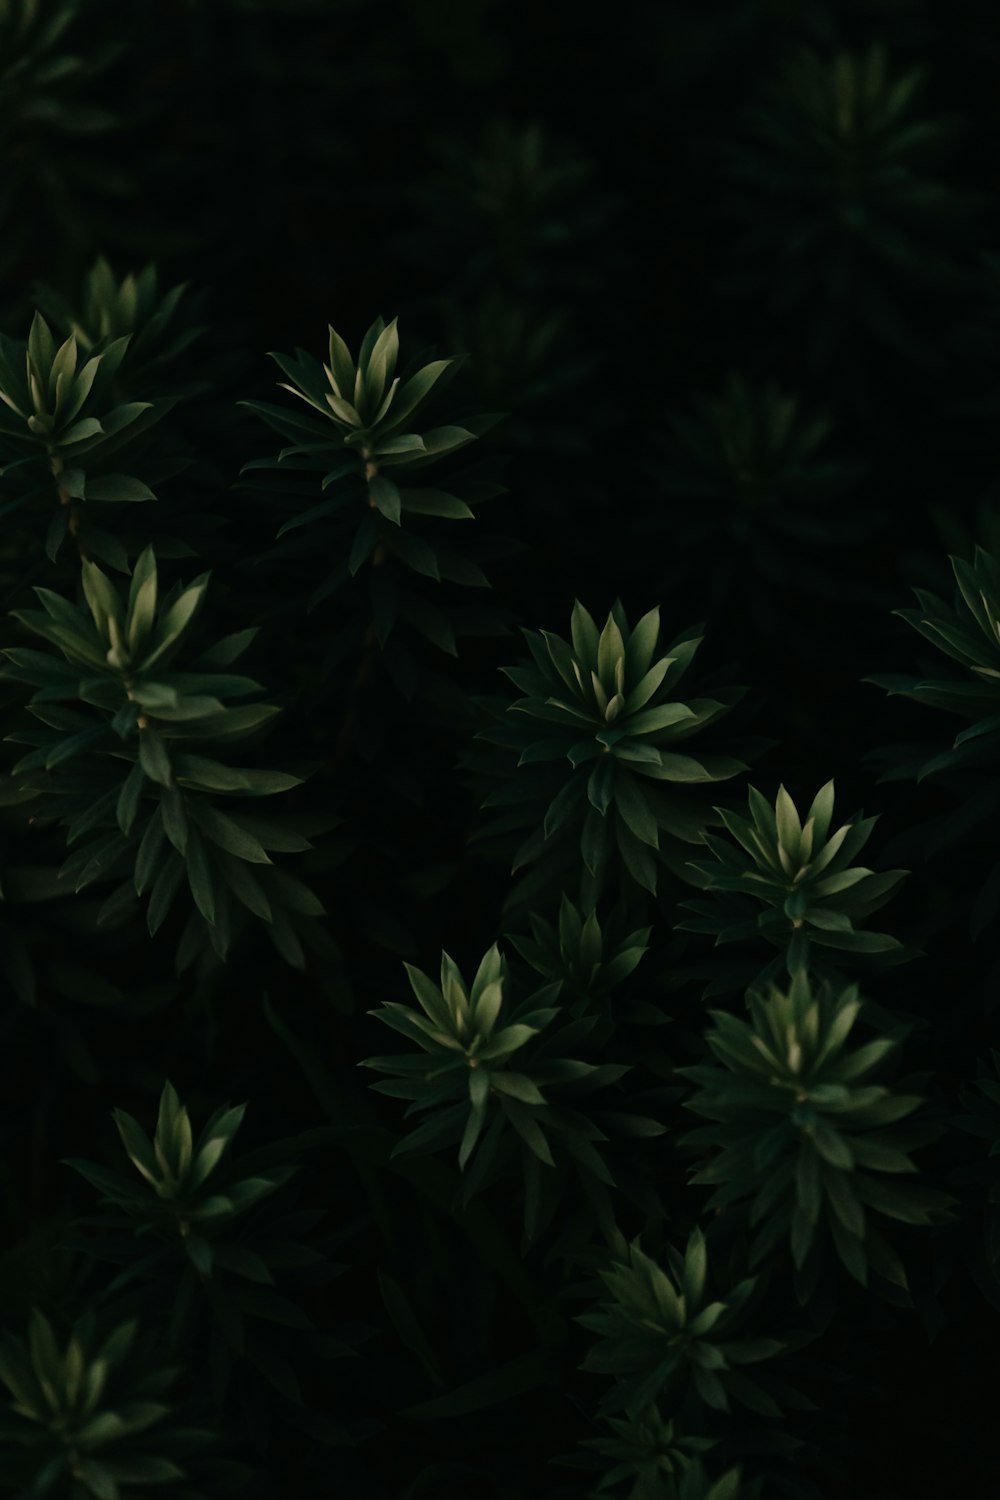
(117,487)
(381,362)
(224,831)
(635,811)
(141,600)
(787,822)
(695,1269)
(409,396)
(169,875)
(430,502)
(341,362)
(199,872)
(153,757)
(409,442)
(174,622)
(137,1145)
(97,1479)
(102,597)
(528,1129)
(517,1086)
(441,440)
(386,497)
(174,815)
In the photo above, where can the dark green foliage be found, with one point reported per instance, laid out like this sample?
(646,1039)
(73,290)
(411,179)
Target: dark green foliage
(841,177)
(107,309)
(472,1037)
(609,709)
(662,1337)
(145,763)
(368,411)
(655,1462)
(345,486)
(575,953)
(735,296)
(803,873)
(801,1127)
(65,426)
(968,631)
(751,478)
(200,1223)
(516,212)
(93,1417)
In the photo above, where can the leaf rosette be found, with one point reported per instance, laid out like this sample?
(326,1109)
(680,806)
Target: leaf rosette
(93,1417)
(838,175)
(128,753)
(803,1139)
(198,1220)
(488,1078)
(654,1460)
(968,631)
(159,329)
(615,739)
(579,953)
(663,1339)
(802,874)
(64,423)
(359,436)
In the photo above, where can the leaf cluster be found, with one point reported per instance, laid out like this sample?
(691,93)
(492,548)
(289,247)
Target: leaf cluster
(662,1338)
(357,436)
(108,308)
(128,753)
(599,779)
(802,1130)
(576,953)
(94,1418)
(65,424)
(839,176)
(802,875)
(488,1079)
(215,1241)
(967,631)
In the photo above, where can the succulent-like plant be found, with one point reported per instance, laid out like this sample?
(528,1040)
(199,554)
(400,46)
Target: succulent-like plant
(751,451)
(174,1197)
(968,631)
(577,953)
(191,1220)
(648,1451)
(132,306)
(524,360)
(93,1417)
(358,436)
(802,875)
(603,735)
(800,1129)
(64,425)
(748,480)
(128,752)
(839,179)
(505,204)
(470,1037)
(663,1339)
(693,1483)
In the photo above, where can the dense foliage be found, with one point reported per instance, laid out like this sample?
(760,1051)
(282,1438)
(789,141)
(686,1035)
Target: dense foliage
(451,1044)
